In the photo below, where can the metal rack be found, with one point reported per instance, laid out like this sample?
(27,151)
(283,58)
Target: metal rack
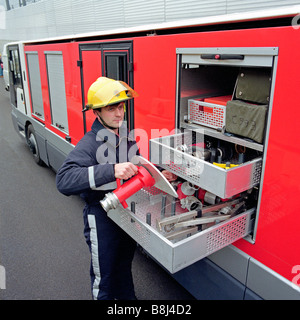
(224,183)
(178,254)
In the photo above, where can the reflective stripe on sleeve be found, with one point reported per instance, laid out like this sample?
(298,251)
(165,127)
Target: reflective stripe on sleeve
(108,186)
(92,177)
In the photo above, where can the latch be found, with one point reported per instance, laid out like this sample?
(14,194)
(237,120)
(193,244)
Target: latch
(218,56)
(59,126)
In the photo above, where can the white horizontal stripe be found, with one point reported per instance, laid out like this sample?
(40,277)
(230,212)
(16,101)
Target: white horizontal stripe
(290,10)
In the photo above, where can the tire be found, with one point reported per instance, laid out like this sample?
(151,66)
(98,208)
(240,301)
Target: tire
(33,145)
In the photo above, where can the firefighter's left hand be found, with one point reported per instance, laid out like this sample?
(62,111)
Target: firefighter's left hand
(169,175)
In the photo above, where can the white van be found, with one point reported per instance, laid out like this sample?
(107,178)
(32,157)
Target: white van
(5,68)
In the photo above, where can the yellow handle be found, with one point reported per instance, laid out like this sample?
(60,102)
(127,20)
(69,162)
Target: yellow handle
(224,165)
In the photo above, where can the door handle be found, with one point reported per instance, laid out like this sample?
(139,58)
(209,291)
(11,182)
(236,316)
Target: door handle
(218,56)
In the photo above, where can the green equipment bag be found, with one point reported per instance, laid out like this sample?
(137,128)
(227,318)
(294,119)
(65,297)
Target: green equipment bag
(246,119)
(253,85)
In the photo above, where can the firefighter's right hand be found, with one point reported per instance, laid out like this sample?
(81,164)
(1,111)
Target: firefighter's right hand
(125,170)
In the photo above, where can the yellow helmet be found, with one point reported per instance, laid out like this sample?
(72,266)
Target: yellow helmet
(105,91)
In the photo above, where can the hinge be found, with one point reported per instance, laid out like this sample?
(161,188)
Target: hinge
(79,63)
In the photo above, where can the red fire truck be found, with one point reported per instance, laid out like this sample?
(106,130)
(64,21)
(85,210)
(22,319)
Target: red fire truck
(218,106)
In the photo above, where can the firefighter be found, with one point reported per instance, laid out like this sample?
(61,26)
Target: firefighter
(90,170)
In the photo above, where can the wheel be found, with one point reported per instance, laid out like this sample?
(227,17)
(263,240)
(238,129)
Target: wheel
(33,146)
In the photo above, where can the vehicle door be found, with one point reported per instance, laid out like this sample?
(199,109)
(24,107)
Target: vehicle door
(15,78)
(112,60)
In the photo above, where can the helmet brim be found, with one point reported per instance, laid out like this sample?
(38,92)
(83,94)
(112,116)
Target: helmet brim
(105,92)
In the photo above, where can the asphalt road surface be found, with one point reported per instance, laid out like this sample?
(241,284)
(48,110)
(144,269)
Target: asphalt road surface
(42,246)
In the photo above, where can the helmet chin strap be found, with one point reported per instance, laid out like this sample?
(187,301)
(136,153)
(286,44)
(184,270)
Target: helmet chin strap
(104,123)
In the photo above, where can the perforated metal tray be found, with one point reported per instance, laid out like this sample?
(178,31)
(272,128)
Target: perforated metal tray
(178,254)
(207,114)
(224,183)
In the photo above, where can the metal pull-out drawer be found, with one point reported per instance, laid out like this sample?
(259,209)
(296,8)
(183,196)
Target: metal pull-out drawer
(176,254)
(224,183)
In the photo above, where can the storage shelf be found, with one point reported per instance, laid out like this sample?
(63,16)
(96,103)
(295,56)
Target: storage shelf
(166,153)
(220,135)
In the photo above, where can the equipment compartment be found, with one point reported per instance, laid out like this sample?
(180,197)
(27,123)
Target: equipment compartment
(244,76)
(187,155)
(142,224)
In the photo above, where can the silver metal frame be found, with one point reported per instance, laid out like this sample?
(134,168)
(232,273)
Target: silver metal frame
(266,143)
(254,56)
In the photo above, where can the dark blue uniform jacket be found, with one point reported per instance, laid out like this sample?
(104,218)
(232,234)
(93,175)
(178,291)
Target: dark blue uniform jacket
(89,168)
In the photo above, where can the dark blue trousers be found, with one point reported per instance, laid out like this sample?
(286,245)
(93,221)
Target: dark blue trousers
(112,252)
